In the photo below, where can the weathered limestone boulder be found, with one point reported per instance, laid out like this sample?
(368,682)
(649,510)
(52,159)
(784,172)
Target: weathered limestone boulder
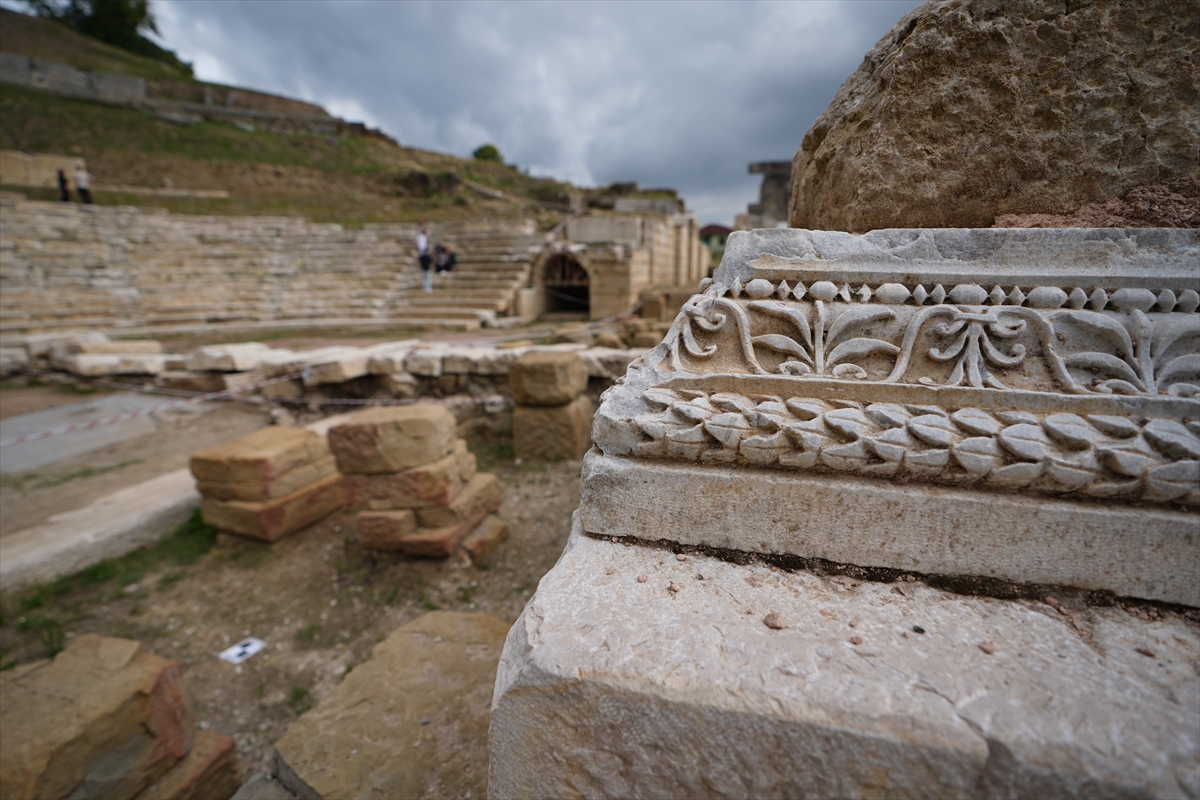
(272,519)
(385,530)
(117,348)
(481,492)
(434,484)
(971,109)
(411,721)
(551,433)
(393,438)
(432,532)
(266,464)
(104,718)
(547,379)
(95,365)
(186,381)
(634,674)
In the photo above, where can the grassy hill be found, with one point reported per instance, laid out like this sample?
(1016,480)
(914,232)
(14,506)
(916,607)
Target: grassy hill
(350,180)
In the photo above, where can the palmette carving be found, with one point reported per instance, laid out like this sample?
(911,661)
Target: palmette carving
(1095,456)
(1044,340)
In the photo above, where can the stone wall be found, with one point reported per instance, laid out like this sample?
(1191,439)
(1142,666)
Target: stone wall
(65,266)
(63,79)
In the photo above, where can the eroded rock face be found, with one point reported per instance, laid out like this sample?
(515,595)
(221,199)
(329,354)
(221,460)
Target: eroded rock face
(971,109)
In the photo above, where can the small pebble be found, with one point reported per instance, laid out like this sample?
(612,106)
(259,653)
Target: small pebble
(1146,651)
(899,590)
(613,539)
(674,587)
(629,544)
(987,647)
(699,577)
(424,720)
(918,629)
(642,578)
(774,621)
(610,571)
(680,557)
(856,640)
(337,528)
(333,603)
(853,623)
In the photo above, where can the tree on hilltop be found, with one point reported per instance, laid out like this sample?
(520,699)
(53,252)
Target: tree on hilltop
(488,152)
(121,23)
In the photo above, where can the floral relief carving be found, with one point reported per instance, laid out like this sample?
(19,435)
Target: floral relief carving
(1140,343)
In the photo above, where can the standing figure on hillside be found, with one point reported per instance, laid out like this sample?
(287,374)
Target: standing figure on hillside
(64,192)
(422,242)
(83,184)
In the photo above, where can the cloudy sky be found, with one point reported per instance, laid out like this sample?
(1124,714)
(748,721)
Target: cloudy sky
(680,94)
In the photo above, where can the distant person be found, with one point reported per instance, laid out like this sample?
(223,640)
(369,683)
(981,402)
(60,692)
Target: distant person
(422,242)
(64,191)
(445,259)
(83,184)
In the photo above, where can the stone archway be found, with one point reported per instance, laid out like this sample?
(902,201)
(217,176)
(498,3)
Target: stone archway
(565,284)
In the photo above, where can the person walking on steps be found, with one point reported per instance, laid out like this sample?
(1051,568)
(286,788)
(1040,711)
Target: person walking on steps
(83,184)
(422,242)
(64,192)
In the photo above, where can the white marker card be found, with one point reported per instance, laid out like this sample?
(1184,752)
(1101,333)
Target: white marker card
(242,650)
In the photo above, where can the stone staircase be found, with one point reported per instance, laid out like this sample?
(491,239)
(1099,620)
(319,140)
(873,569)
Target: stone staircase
(65,266)
(494,261)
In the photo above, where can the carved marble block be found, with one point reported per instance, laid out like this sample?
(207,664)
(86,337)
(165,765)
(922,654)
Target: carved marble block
(1048,380)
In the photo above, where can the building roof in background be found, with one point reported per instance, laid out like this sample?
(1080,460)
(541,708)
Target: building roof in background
(713,229)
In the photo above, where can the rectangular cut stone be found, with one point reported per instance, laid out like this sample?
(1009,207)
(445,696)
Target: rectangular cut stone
(426,362)
(552,433)
(482,542)
(338,366)
(628,675)
(384,530)
(1150,553)
(435,484)
(366,738)
(479,497)
(393,438)
(547,379)
(268,488)
(272,519)
(263,456)
(389,360)
(99,365)
(118,348)
(104,718)
(227,357)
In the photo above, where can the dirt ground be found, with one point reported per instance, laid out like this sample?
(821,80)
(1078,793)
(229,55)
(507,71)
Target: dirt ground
(318,600)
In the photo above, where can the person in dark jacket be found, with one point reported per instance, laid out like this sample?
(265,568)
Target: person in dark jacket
(64,190)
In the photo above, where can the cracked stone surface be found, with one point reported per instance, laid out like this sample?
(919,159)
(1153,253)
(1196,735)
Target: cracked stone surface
(633,673)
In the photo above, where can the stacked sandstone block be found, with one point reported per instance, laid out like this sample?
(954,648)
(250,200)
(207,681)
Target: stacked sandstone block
(106,719)
(414,483)
(553,416)
(269,483)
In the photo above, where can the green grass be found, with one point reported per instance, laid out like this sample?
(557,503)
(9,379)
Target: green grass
(308,634)
(300,700)
(35,481)
(185,546)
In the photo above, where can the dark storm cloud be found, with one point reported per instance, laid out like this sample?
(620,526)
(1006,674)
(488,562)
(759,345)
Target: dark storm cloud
(667,94)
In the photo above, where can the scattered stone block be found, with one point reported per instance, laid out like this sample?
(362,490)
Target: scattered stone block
(482,542)
(551,433)
(610,363)
(393,438)
(437,483)
(239,381)
(104,718)
(427,362)
(478,498)
(284,390)
(390,360)
(175,361)
(117,348)
(99,365)
(400,384)
(210,771)
(264,456)
(227,357)
(610,340)
(619,687)
(385,530)
(187,381)
(337,365)
(547,379)
(44,345)
(412,716)
(272,519)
